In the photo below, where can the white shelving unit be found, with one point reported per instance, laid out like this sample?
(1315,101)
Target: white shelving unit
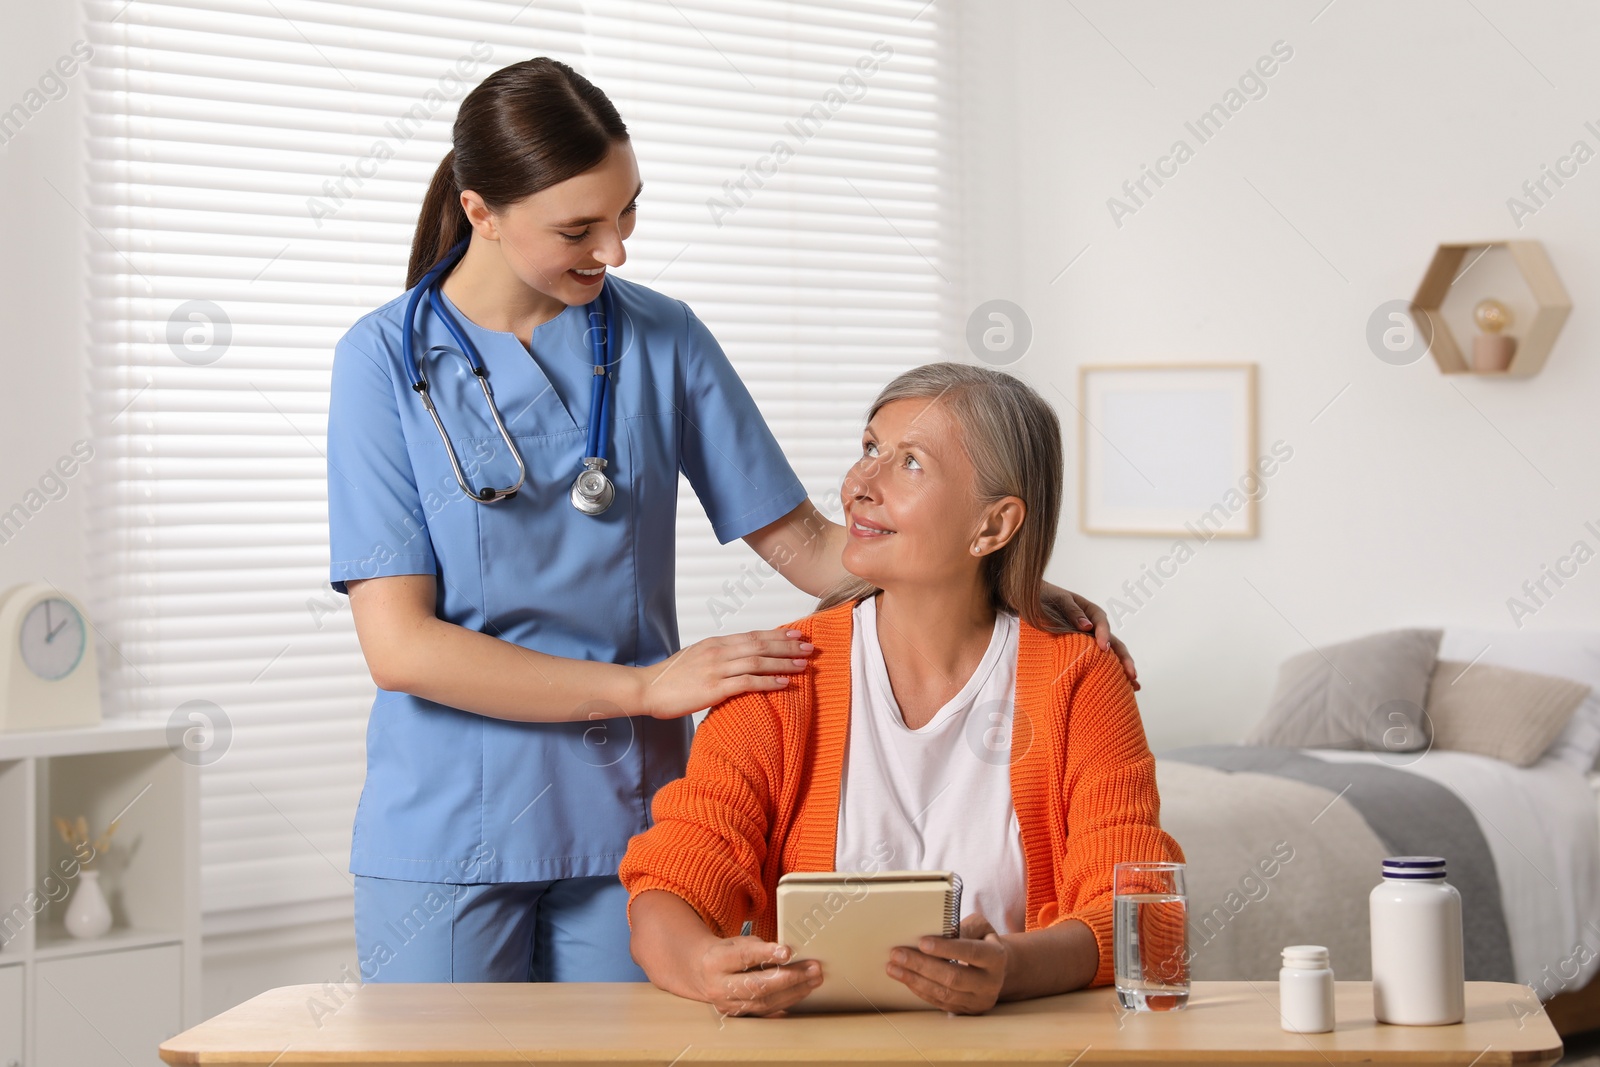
(66,1002)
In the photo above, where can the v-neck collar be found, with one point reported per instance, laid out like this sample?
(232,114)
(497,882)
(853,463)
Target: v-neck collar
(538,379)
(466,323)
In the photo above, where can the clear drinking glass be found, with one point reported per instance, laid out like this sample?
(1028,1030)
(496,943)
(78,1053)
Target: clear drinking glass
(1151,911)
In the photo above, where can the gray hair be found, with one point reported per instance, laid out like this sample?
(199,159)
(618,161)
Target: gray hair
(1013,438)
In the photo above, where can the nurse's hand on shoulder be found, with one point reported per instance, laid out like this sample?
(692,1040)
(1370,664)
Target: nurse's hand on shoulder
(749,976)
(1087,615)
(710,671)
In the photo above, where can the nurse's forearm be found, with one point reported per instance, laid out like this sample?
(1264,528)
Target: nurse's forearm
(804,546)
(410,650)
(476,672)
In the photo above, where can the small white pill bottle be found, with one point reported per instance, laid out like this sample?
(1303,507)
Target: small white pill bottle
(1305,990)
(1418,974)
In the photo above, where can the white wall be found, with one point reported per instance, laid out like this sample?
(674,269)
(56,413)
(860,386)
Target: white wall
(1414,499)
(43,376)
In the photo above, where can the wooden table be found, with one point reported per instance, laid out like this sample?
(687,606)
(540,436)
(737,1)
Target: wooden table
(617,1024)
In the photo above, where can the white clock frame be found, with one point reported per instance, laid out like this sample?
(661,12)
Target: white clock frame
(27,701)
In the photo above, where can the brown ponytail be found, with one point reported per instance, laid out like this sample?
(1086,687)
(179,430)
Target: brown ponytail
(525,128)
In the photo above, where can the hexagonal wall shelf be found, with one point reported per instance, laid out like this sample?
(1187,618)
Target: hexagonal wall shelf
(1535,333)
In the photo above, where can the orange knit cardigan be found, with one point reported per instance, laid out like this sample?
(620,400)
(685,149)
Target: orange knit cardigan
(761,794)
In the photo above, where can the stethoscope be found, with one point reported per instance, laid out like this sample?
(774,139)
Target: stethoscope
(592,491)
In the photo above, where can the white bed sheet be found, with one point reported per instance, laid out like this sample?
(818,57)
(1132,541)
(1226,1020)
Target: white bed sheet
(1542,824)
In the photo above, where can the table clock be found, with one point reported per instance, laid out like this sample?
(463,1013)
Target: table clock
(48,675)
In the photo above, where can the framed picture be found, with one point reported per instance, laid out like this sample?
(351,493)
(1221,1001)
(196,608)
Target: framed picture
(1163,449)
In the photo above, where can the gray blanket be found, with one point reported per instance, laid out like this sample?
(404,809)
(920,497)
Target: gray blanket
(1412,816)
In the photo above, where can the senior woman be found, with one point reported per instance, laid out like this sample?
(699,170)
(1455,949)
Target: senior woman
(968,727)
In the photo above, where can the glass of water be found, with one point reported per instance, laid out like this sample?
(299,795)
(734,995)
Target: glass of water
(1151,921)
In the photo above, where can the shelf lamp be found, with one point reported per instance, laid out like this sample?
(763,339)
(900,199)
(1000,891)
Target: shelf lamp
(1494,352)
(1492,348)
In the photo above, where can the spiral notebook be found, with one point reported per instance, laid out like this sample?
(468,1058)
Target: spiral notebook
(850,922)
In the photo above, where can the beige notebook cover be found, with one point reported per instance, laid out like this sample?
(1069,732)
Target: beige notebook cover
(849,922)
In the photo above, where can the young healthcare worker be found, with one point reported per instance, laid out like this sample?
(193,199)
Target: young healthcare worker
(506,540)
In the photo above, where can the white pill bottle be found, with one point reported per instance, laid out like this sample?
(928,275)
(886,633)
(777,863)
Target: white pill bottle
(1418,972)
(1305,990)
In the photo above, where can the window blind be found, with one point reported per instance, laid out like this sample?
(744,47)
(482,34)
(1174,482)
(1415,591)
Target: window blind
(255,171)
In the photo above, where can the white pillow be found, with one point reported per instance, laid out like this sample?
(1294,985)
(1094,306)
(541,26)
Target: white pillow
(1571,654)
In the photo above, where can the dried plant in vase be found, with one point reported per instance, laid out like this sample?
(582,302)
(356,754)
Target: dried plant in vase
(76,834)
(88,913)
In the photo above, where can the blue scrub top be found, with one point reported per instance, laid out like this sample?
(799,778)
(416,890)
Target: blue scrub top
(452,796)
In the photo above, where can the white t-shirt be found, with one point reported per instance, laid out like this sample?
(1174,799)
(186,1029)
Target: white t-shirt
(937,798)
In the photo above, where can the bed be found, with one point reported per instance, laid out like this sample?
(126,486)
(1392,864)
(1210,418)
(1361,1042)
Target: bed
(1284,845)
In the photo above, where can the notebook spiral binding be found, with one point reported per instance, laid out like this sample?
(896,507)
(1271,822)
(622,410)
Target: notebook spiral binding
(952,907)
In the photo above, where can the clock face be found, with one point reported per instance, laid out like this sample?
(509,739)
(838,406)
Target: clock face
(53,638)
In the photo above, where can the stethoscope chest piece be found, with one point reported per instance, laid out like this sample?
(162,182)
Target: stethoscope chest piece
(592,492)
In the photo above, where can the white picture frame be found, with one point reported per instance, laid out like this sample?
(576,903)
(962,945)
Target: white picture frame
(1163,448)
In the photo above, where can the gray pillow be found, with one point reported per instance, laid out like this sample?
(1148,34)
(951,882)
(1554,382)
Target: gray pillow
(1363,694)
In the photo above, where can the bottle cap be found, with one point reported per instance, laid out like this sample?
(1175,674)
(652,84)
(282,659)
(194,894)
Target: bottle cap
(1413,868)
(1309,957)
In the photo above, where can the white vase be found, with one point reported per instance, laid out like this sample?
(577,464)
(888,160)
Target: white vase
(88,914)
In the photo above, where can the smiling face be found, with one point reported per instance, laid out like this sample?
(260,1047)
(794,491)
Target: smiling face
(560,240)
(911,504)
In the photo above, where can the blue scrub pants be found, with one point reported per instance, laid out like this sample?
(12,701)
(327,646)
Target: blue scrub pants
(568,930)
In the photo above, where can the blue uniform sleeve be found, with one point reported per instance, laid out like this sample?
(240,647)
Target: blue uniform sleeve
(726,449)
(376,523)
